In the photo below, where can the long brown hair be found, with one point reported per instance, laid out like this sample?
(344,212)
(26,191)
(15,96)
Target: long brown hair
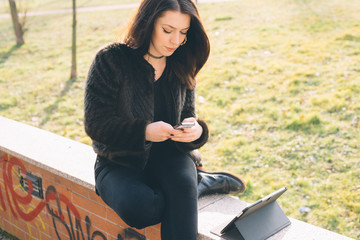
(189,58)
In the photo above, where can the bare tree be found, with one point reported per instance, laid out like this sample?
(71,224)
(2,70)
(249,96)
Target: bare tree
(18,27)
(73,49)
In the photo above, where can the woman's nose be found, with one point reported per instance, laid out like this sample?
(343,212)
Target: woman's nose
(176,39)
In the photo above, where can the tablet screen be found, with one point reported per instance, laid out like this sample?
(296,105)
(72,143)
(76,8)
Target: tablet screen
(255,206)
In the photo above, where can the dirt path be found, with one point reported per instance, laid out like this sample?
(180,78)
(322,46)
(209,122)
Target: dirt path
(97,8)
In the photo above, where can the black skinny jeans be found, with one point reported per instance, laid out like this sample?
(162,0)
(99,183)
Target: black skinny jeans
(166,192)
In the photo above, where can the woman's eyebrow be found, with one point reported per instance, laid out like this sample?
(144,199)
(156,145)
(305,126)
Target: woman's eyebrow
(175,27)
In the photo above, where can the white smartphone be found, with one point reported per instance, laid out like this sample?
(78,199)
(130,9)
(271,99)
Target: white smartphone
(185,125)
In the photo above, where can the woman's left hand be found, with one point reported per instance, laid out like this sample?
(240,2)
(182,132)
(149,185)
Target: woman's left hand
(188,134)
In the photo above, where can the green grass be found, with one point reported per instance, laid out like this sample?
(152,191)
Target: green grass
(280,92)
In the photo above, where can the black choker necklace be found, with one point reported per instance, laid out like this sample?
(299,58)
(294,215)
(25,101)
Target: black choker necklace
(150,55)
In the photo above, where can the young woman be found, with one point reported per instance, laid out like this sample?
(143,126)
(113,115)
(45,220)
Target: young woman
(136,93)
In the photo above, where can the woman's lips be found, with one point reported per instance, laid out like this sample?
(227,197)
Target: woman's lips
(170,49)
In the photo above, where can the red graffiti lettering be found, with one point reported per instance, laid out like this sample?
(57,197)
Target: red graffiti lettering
(10,166)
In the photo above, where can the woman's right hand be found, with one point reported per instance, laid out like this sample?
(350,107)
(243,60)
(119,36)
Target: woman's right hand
(158,131)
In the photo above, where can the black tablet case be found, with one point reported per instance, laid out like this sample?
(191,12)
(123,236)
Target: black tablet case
(258,225)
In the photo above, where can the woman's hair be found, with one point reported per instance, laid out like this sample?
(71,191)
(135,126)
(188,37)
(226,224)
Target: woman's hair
(189,58)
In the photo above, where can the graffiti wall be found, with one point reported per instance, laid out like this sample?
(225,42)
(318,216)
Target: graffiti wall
(37,204)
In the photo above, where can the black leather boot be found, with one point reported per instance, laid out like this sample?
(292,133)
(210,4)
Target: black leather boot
(215,182)
(219,183)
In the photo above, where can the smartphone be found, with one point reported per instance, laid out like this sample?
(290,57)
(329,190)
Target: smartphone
(185,125)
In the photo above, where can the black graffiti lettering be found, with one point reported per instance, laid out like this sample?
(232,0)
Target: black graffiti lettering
(56,217)
(95,233)
(98,233)
(78,226)
(88,225)
(131,234)
(71,225)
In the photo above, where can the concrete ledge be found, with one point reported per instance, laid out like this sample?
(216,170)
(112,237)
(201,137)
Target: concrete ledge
(57,154)
(74,161)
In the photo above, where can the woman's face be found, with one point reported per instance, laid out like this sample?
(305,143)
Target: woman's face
(169,32)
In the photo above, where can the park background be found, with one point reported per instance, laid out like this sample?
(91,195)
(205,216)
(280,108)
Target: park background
(280,92)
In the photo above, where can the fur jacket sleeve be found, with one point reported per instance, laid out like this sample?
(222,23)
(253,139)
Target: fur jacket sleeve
(119,104)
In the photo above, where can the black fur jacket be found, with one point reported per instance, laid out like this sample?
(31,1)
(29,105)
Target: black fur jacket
(119,104)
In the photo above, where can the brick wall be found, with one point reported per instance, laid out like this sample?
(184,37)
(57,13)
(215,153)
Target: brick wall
(47,189)
(64,209)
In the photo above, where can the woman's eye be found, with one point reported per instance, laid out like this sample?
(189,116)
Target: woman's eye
(166,31)
(183,33)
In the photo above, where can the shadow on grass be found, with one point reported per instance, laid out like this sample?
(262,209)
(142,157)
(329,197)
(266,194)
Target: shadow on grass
(5,56)
(50,110)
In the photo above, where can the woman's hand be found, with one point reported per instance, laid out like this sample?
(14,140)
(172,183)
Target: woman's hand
(158,131)
(187,134)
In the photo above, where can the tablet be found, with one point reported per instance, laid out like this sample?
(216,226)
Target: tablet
(254,207)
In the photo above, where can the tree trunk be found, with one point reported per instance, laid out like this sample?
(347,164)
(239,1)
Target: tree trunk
(73,49)
(19,33)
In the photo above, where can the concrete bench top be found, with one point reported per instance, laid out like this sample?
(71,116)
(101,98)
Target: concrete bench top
(50,151)
(74,161)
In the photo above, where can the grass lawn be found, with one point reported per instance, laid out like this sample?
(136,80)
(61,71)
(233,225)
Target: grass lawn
(280,92)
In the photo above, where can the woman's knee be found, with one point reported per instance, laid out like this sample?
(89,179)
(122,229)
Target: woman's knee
(182,172)
(140,211)
(180,184)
